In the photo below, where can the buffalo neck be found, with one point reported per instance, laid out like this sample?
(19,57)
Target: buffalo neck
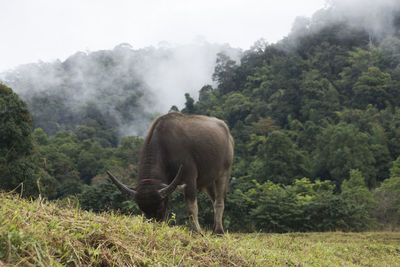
(151,166)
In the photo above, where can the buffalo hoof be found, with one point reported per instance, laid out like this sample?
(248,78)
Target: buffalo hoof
(218,232)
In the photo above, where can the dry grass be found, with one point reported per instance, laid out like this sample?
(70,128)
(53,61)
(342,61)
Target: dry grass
(38,233)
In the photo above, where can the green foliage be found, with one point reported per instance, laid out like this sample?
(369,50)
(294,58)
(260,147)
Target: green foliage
(372,88)
(87,165)
(355,189)
(73,159)
(278,160)
(224,73)
(340,148)
(323,108)
(18,162)
(237,107)
(189,104)
(388,198)
(395,170)
(320,98)
(106,197)
(302,206)
(129,149)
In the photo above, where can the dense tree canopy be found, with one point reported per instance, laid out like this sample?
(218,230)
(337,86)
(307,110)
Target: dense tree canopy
(17,155)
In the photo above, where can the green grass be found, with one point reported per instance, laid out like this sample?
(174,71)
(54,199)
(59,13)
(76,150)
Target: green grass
(38,233)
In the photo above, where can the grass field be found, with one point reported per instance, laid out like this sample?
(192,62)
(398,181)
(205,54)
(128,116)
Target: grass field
(38,233)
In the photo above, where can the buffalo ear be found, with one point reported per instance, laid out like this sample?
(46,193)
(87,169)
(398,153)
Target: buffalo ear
(123,188)
(166,191)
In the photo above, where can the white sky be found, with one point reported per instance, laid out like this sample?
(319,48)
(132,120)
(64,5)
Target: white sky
(33,30)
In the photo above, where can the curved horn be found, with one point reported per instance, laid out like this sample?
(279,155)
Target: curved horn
(166,191)
(121,186)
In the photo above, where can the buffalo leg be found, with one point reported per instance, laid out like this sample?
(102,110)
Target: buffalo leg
(191,204)
(218,212)
(211,191)
(219,203)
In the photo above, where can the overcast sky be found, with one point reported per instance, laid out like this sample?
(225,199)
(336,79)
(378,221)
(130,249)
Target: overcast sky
(33,30)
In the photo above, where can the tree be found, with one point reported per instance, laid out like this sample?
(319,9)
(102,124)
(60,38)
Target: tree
(174,108)
(224,73)
(88,166)
(319,98)
(339,149)
(129,150)
(356,190)
(279,160)
(358,61)
(18,162)
(237,107)
(388,198)
(372,88)
(106,197)
(204,92)
(40,137)
(189,105)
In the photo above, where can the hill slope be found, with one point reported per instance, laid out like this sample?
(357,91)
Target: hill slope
(41,233)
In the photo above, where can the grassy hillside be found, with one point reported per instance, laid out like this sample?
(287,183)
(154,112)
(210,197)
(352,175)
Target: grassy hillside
(38,233)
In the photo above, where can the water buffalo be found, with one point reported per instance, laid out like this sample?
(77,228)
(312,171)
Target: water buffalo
(190,150)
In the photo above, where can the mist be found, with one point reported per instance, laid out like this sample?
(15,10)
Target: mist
(376,18)
(128,86)
(174,71)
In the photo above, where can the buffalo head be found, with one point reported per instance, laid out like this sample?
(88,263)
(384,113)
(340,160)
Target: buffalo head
(151,195)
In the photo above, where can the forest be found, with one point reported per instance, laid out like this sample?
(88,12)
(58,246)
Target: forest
(315,118)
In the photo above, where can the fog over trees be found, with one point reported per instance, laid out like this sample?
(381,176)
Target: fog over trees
(124,87)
